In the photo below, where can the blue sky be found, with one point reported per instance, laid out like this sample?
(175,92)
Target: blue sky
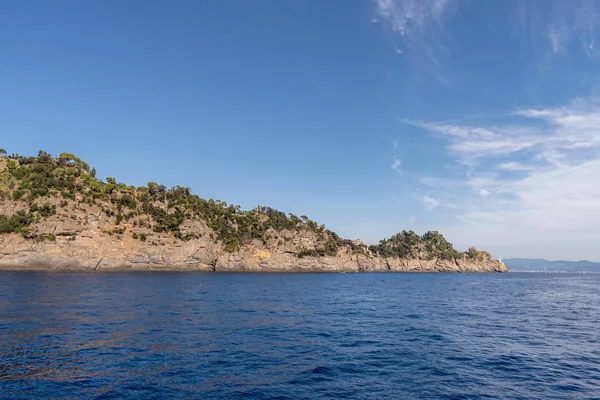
(475,118)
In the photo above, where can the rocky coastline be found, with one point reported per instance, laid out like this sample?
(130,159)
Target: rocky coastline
(103,254)
(56,215)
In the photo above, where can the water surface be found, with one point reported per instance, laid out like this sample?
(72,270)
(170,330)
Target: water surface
(299,336)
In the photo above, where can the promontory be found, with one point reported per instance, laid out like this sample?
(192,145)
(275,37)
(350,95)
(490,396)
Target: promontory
(55,214)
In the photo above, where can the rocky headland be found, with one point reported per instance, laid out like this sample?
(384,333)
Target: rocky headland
(55,214)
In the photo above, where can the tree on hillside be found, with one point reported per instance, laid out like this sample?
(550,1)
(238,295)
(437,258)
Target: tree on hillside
(2,152)
(44,157)
(68,157)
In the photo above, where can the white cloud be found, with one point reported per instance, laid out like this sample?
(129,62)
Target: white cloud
(397,165)
(515,166)
(429,202)
(479,142)
(546,201)
(555,41)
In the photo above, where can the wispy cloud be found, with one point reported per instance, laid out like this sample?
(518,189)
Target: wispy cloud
(429,202)
(515,166)
(560,24)
(411,17)
(397,165)
(538,184)
(478,141)
(418,27)
(547,29)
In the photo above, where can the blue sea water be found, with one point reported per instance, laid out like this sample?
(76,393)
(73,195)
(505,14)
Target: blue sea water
(299,336)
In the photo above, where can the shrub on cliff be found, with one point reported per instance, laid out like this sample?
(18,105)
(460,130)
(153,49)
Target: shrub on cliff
(15,223)
(477,255)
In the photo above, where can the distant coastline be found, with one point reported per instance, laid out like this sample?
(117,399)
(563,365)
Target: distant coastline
(541,265)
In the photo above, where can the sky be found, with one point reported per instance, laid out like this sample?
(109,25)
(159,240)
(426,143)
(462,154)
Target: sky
(478,119)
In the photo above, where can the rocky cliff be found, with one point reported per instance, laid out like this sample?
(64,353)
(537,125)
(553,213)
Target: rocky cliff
(55,214)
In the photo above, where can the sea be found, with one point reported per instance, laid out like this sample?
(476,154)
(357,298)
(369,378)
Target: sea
(168,335)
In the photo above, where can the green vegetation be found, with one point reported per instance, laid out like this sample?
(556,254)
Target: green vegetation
(39,184)
(477,255)
(162,210)
(410,245)
(20,223)
(17,223)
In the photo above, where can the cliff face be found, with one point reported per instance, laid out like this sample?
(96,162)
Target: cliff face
(55,215)
(86,242)
(92,251)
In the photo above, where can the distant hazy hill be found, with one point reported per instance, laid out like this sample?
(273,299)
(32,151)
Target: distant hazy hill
(538,264)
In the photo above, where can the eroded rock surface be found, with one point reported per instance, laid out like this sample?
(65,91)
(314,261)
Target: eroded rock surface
(79,247)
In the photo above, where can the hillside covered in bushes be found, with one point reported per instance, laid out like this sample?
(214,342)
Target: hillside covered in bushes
(34,189)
